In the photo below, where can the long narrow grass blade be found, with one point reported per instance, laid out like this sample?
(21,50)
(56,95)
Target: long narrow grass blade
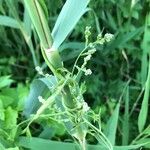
(144,108)
(112,124)
(40,22)
(125,129)
(69,16)
(27,23)
(38,144)
(145,48)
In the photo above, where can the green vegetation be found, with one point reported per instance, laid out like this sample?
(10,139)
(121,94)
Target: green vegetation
(74,74)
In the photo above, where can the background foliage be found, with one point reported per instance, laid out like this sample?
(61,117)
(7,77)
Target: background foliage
(119,84)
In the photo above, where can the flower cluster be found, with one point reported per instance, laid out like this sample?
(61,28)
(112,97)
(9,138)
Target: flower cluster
(107,38)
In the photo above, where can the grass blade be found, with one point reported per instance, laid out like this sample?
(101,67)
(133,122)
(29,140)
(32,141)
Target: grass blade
(144,108)
(112,124)
(38,144)
(126,119)
(67,19)
(40,22)
(9,22)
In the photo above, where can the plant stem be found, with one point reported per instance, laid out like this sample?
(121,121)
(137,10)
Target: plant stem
(52,58)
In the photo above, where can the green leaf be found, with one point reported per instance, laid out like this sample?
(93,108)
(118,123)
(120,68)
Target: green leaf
(10,118)
(9,22)
(39,87)
(10,123)
(44,8)
(2,147)
(71,50)
(111,127)
(147,130)
(125,124)
(39,21)
(1,7)
(15,148)
(5,81)
(111,21)
(41,144)
(67,19)
(144,107)
(22,91)
(145,50)
(122,39)
(27,23)
(2,114)
(145,140)
(9,96)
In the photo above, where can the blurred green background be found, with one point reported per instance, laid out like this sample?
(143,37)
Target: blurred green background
(119,68)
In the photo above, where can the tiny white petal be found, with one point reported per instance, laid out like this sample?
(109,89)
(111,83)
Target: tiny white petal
(41,99)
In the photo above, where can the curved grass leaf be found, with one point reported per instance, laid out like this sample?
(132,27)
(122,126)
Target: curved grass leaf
(67,19)
(9,22)
(144,108)
(41,144)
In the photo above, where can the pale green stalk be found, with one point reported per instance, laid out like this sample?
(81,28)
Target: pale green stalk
(38,18)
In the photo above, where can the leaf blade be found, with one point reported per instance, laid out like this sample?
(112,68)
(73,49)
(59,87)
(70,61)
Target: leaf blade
(9,22)
(112,124)
(67,19)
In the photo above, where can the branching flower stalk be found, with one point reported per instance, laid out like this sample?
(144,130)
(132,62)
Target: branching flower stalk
(69,92)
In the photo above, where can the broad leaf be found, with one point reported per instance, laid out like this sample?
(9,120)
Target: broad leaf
(5,81)
(39,87)
(67,19)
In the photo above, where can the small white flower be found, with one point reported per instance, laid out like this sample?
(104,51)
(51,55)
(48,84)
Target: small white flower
(87,58)
(41,99)
(47,75)
(92,51)
(39,70)
(108,37)
(85,107)
(88,72)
